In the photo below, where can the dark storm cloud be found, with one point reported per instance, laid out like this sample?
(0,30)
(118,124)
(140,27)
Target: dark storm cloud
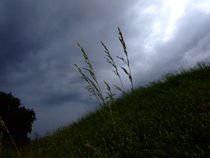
(16,38)
(29,26)
(38,49)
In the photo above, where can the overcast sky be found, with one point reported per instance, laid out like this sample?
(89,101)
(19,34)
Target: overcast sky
(38,48)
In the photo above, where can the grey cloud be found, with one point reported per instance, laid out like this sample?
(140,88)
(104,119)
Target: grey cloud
(58,116)
(193,27)
(38,49)
(188,46)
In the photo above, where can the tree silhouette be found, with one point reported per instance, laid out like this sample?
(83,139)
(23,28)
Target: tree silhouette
(17,118)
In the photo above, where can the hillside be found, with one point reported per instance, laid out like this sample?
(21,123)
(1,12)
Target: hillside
(167,118)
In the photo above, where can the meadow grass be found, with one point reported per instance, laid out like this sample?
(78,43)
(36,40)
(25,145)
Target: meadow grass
(89,76)
(93,86)
(166,118)
(126,61)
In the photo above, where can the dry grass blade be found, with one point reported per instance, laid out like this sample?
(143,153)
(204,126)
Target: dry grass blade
(109,92)
(118,88)
(91,87)
(110,101)
(122,41)
(110,96)
(111,61)
(93,82)
(127,62)
(92,148)
(125,70)
(85,56)
(107,85)
(88,73)
(2,124)
(121,58)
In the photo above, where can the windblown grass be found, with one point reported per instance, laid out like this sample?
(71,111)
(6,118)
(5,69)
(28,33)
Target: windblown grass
(126,61)
(111,61)
(167,118)
(93,86)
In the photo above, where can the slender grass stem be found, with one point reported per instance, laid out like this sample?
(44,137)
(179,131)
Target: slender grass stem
(2,124)
(111,61)
(127,62)
(89,76)
(92,80)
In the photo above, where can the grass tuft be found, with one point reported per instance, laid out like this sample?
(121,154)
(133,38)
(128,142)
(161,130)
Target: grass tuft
(93,86)
(110,60)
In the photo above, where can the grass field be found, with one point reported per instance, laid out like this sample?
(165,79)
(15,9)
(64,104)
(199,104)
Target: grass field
(165,119)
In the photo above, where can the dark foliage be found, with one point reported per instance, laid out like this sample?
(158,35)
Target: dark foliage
(17,118)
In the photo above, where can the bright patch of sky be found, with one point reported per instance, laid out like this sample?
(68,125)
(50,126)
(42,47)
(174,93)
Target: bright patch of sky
(166,15)
(203,5)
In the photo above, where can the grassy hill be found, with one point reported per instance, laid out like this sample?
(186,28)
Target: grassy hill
(168,118)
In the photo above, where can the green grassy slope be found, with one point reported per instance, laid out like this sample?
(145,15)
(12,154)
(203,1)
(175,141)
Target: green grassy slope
(169,118)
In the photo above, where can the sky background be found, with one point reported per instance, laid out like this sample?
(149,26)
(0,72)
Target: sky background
(38,48)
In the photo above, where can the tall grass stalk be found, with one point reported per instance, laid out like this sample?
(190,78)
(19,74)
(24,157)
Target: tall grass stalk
(126,61)
(93,85)
(111,61)
(2,124)
(110,94)
(110,97)
(89,76)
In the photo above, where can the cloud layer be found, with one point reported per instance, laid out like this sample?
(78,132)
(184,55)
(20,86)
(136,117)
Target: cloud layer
(38,48)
